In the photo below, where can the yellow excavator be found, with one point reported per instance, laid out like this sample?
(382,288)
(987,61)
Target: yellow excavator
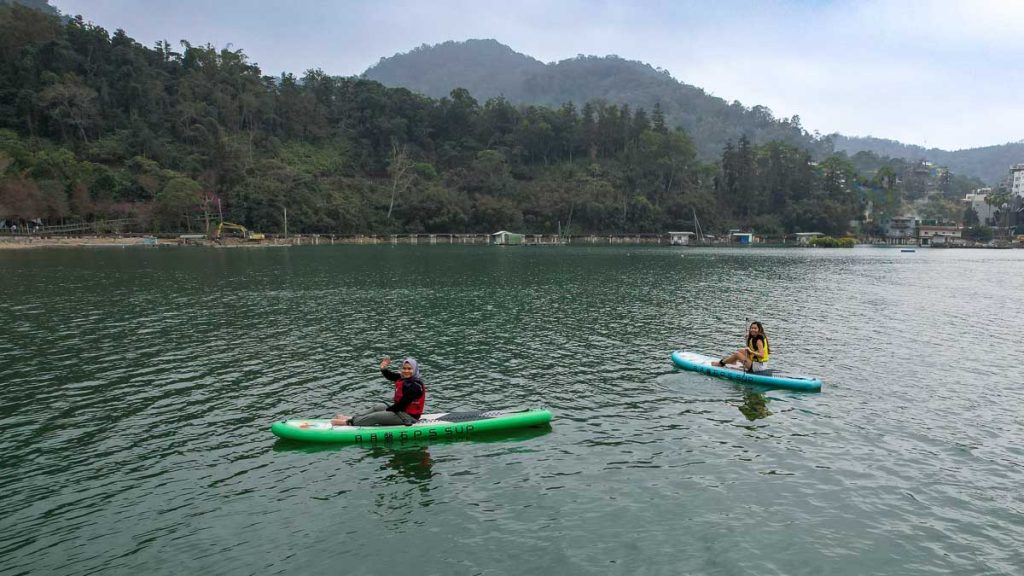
(242,230)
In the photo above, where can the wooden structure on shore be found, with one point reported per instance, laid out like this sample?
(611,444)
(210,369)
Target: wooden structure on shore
(506,238)
(484,239)
(680,238)
(116,225)
(393,239)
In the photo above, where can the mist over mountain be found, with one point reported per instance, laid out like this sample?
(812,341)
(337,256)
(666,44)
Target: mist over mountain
(41,5)
(489,69)
(486,68)
(990,163)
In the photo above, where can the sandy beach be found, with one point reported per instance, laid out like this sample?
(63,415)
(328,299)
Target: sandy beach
(113,241)
(27,242)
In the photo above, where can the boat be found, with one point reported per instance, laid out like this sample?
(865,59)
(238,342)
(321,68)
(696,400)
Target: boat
(774,378)
(441,426)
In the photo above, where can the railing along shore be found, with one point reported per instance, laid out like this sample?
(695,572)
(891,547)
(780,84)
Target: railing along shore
(77,238)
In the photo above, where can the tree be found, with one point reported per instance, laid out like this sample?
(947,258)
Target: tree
(79,201)
(738,179)
(492,214)
(72,105)
(22,27)
(53,201)
(979,233)
(93,124)
(970,217)
(997,199)
(941,209)
(588,131)
(175,202)
(399,169)
(20,200)
(489,174)
(658,119)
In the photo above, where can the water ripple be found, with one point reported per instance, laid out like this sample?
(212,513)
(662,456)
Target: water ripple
(139,386)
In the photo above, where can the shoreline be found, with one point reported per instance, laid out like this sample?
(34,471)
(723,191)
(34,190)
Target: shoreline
(115,241)
(28,243)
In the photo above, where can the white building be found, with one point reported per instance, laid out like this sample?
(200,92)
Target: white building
(680,238)
(804,238)
(506,238)
(976,200)
(1016,184)
(900,229)
(938,235)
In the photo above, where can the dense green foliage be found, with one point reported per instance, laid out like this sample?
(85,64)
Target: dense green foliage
(990,164)
(41,5)
(94,125)
(490,69)
(830,242)
(896,187)
(978,233)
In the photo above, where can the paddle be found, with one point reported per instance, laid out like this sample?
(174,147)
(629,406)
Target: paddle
(746,321)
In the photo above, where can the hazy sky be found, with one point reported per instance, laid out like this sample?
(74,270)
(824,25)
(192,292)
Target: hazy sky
(937,73)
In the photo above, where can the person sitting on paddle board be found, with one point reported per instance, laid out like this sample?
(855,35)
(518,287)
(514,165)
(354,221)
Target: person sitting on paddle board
(410,397)
(755,355)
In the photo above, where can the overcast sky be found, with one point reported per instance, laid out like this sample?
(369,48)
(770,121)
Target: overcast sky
(936,73)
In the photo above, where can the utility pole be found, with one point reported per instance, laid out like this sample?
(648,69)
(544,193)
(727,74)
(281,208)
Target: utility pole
(286,223)
(207,197)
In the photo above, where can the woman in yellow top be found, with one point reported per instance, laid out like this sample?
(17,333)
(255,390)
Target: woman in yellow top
(754,355)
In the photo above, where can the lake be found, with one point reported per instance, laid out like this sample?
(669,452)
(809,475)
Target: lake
(139,385)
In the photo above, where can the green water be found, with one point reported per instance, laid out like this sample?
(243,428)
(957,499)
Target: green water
(139,385)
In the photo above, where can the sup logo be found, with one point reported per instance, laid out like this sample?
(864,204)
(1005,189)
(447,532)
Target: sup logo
(453,431)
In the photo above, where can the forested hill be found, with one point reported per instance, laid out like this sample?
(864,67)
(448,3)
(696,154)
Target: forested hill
(96,126)
(41,5)
(487,69)
(990,163)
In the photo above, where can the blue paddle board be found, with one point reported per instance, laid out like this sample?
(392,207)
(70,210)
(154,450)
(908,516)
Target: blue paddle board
(773,378)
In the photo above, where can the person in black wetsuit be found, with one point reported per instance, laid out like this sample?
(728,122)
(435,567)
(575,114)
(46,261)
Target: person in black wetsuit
(407,406)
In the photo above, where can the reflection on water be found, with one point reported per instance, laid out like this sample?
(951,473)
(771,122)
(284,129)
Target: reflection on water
(754,406)
(490,436)
(138,388)
(412,463)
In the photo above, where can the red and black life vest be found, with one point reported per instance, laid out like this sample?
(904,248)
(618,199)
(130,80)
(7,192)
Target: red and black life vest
(416,407)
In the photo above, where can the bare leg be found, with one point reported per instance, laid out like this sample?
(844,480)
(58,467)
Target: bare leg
(739,355)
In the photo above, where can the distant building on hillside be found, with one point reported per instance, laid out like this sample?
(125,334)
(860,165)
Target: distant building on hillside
(938,234)
(901,230)
(976,200)
(1016,181)
(1015,210)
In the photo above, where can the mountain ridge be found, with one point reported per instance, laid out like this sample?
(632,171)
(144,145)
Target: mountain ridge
(489,69)
(709,120)
(990,163)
